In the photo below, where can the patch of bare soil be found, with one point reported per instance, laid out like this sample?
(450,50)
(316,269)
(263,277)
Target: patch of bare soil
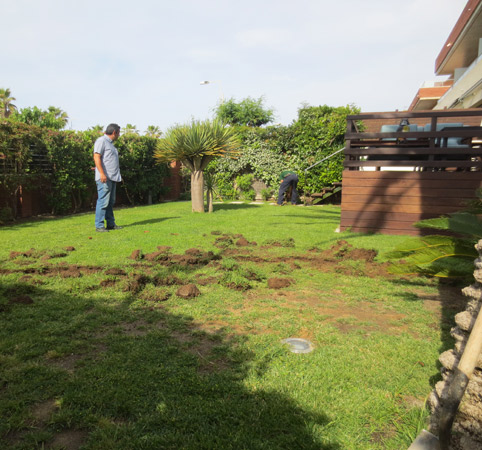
(67,363)
(169,280)
(137,328)
(206,281)
(23,299)
(447,298)
(115,272)
(68,440)
(202,346)
(328,308)
(42,412)
(279,283)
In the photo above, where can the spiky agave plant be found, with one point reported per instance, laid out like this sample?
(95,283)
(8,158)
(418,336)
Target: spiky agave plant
(195,145)
(447,256)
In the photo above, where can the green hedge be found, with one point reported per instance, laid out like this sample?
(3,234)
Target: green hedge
(61,164)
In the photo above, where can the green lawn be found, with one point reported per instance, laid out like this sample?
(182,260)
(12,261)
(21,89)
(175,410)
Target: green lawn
(98,350)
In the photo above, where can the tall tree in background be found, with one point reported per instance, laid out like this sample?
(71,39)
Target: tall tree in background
(59,115)
(195,145)
(130,129)
(53,118)
(153,131)
(6,105)
(248,112)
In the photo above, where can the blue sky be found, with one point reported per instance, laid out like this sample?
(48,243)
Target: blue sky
(141,62)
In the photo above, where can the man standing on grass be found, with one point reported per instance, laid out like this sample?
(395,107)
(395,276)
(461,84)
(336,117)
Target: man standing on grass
(288,178)
(107,175)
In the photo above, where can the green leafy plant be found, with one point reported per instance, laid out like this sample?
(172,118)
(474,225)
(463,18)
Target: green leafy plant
(267,193)
(244,182)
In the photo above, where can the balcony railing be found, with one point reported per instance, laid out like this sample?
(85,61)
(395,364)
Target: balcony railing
(431,141)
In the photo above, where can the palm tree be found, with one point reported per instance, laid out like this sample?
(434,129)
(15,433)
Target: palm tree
(153,131)
(130,129)
(195,145)
(59,115)
(6,105)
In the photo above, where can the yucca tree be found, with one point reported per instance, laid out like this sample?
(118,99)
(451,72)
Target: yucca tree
(195,145)
(6,105)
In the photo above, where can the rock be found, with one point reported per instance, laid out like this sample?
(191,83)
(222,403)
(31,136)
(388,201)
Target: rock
(465,320)
(188,291)
(449,359)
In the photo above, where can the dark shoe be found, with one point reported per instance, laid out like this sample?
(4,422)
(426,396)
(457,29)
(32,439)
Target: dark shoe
(102,230)
(115,227)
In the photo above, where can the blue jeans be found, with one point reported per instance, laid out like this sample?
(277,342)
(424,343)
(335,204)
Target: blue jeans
(105,202)
(290,180)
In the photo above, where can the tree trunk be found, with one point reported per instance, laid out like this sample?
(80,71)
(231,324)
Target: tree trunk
(197,191)
(209,197)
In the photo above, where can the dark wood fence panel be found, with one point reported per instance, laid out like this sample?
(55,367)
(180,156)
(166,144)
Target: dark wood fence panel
(390,202)
(393,179)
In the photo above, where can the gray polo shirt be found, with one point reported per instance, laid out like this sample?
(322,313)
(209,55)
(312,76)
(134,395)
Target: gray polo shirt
(110,159)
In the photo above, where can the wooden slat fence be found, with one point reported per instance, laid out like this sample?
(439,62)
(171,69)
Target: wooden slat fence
(393,179)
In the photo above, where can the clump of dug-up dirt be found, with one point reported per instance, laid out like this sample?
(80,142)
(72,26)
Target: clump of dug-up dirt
(342,250)
(223,241)
(136,283)
(243,242)
(136,255)
(156,256)
(107,283)
(191,257)
(279,283)
(188,291)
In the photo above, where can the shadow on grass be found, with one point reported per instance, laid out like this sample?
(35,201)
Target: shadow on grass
(149,221)
(232,206)
(131,376)
(448,301)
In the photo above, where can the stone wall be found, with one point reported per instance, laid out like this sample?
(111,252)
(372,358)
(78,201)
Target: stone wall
(467,427)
